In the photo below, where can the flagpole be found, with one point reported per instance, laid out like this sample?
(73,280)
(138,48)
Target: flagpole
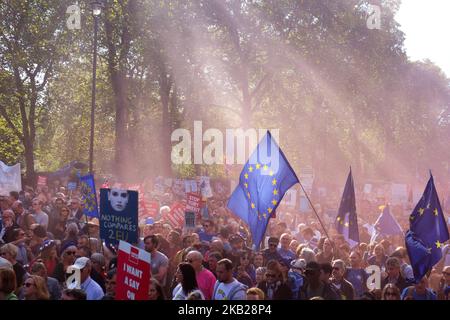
(314,209)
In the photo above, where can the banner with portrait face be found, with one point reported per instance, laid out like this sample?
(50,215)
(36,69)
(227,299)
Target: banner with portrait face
(118,215)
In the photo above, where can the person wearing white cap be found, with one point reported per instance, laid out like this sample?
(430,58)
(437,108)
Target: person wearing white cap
(92,288)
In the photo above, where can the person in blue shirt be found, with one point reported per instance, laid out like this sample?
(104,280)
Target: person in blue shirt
(92,288)
(356,275)
(419,291)
(286,254)
(208,231)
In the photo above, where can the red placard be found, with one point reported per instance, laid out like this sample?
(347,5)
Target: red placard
(193,202)
(42,181)
(133,273)
(176,215)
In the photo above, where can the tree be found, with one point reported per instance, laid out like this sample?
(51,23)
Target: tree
(31,43)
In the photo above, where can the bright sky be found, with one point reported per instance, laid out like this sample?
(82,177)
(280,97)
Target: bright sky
(426,24)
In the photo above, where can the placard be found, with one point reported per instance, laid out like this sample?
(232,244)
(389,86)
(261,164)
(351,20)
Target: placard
(133,273)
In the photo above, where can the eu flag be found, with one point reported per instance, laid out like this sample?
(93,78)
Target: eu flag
(265,178)
(427,232)
(386,225)
(346,220)
(89,196)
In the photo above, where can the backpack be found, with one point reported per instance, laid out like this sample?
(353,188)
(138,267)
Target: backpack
(235,289)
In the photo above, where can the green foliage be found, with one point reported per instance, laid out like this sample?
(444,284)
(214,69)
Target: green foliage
(340,93)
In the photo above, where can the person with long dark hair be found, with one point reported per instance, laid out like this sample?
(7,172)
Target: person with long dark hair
(187,282)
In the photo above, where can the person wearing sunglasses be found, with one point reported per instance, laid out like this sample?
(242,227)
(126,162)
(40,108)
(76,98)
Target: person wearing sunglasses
(35,288)
(390,292)
(275,286)
(68,255)
(271,253)
(345,288)
(245,271)
(208,232)
(315,287)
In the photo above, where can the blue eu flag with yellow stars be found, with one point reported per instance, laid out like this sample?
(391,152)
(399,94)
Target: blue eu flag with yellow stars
(347,220)
(89,196)
(427,232)
(265,178)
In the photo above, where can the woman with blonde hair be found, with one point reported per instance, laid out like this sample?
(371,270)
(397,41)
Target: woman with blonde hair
(36,288)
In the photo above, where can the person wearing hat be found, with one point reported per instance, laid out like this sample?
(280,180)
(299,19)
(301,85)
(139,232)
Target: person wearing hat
(49,255)
(296,279)
(88,285)
(314,287)
(271,253)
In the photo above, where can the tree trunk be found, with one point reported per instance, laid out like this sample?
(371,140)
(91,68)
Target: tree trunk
(164,92)
(29,161)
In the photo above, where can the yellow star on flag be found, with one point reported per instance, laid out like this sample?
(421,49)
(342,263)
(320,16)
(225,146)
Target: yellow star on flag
(250,169)
(274,181)
(346,224)
(274,202)
(246,176)
(421,210)
(436,212)
(438,244)
(275,192)
(338,219)
(258,166)
(253,205)
(269,210)
(248,195)
(270,173)
(265,167)
(246,185)
(264,215)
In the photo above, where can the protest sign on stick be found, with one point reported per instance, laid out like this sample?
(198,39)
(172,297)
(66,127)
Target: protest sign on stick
(118,215)
(133,273)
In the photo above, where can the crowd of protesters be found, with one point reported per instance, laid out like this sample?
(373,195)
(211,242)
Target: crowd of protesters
(44,231)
